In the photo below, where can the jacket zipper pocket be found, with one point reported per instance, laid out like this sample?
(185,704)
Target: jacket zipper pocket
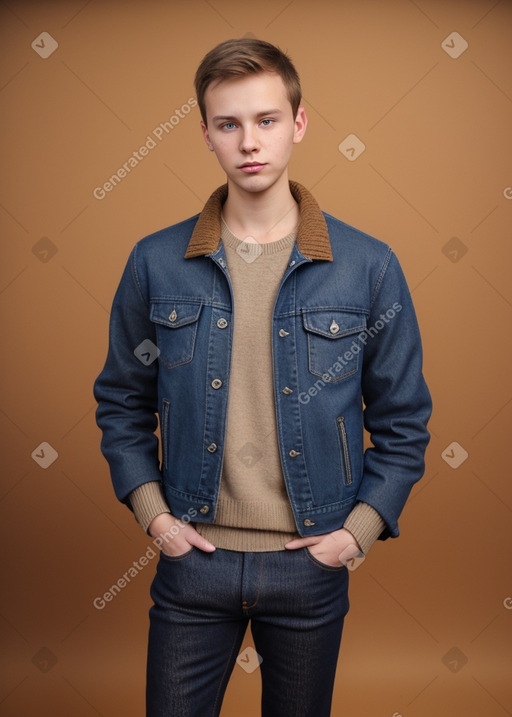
(165,430)
(342,429)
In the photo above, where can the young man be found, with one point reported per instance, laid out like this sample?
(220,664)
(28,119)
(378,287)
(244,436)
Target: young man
(265,334)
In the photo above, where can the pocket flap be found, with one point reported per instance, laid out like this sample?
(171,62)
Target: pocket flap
(334,324)
(174,314)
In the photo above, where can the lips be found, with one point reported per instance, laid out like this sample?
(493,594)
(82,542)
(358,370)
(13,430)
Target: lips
(250,167)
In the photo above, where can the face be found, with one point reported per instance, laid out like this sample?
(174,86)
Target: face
(252,130)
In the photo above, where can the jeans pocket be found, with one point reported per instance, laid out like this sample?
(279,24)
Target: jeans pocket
(320,564)
(176,558)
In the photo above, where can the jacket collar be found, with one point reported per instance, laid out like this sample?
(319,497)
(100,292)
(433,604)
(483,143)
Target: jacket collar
(312,235)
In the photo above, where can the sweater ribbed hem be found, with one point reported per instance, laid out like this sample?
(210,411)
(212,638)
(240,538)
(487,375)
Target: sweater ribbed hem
(147,502)
(252,526)
(255,515)
(365,524)
(244,539)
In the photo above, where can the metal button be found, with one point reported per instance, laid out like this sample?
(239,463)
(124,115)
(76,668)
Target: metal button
(292,263)
(334,328)
(216,383)
(212,447)
(282,333)
(173,315)
(293,453)
(287,390)
(205,509)
(222,323)
(308,523)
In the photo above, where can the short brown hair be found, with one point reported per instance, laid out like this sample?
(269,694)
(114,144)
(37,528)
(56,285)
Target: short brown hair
(246,56)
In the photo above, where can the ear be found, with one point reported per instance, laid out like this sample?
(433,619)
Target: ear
(301,122)
(206,136)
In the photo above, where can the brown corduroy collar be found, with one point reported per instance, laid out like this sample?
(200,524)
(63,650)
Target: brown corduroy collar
(312,235)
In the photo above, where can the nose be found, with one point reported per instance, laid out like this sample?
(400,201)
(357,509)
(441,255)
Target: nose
(249,142)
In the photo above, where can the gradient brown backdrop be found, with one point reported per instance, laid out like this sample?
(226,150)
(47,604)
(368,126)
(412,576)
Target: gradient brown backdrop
(429,630)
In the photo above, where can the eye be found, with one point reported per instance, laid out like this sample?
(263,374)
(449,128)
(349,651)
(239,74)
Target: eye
(267,122)
(228,125)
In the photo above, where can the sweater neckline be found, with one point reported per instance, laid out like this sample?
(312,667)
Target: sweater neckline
(251,246)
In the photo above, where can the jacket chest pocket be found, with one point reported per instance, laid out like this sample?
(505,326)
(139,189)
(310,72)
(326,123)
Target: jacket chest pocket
(333,349)
(176,328)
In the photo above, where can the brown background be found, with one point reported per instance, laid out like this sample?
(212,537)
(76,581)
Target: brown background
(429,630)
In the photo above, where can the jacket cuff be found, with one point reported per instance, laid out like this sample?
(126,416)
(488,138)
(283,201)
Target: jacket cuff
(365,524)
(148,501)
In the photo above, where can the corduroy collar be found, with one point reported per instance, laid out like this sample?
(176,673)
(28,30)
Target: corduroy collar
(312,235)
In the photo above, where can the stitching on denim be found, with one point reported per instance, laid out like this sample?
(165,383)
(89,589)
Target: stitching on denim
(216,705)
(204,458)
(329,307)
(280,424)
(136,276)
(381,276)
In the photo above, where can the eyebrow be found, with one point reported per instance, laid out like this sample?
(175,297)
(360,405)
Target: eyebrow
(274,111)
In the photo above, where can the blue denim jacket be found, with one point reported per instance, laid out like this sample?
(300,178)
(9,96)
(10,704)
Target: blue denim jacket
(346,354)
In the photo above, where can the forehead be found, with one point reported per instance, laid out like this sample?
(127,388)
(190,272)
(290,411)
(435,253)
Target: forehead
(245,95)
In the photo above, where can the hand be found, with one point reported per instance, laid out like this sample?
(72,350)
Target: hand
(176,537)
(328,547)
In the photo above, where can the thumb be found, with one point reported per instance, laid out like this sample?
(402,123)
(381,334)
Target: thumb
(302,542)
(199,542)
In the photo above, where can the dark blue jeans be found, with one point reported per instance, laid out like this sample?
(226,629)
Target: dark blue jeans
(202,605)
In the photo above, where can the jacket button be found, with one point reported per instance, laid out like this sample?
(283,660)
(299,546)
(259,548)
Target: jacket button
(287,390)
(173,315)
(294,454)
(204,509)
(216,383)
(212,447)
(222,323)
(308,523)
(334,328)
(282,333)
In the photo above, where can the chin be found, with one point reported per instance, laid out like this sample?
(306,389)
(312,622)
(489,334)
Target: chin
(256,184)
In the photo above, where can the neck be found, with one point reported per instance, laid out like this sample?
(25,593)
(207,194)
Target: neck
(266,216)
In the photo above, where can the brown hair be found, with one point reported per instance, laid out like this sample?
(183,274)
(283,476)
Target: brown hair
(245,56)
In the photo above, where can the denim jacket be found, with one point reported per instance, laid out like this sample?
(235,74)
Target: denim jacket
(346,355)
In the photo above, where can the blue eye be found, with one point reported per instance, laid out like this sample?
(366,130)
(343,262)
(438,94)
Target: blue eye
(267,120)
(228,125)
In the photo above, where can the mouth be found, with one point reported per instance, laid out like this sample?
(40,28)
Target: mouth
(251,167)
